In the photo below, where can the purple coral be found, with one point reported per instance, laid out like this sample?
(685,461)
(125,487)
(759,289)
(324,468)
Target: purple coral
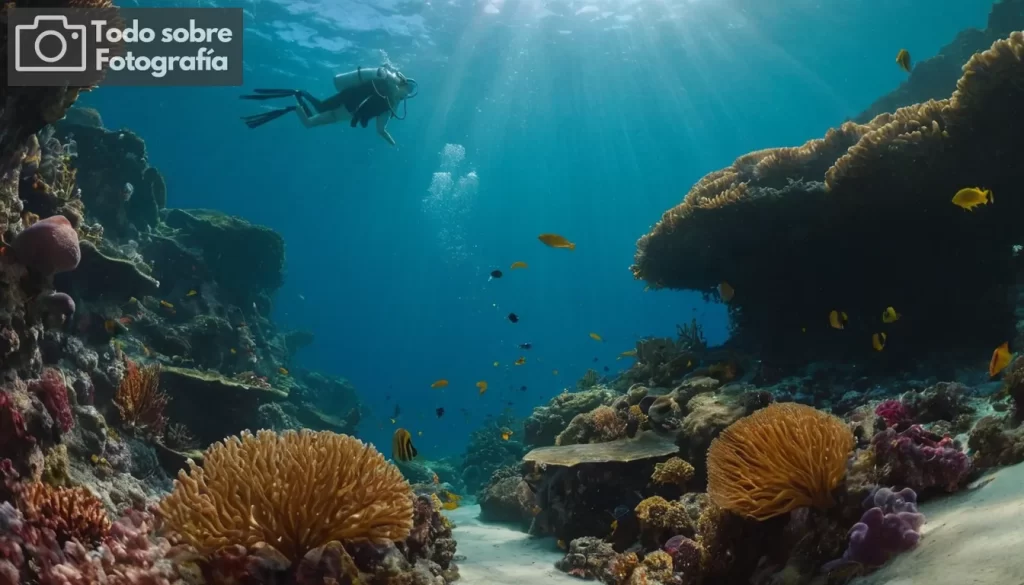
(48,246)
(890,525)
(919,459)
(893,412)
(53,393)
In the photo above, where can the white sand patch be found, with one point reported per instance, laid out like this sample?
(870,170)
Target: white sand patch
(498,555)
(972,537)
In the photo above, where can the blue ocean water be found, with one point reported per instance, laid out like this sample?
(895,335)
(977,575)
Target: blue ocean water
(584,118)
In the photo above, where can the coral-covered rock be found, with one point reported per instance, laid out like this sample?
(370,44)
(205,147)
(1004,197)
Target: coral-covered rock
(600,425)
(661,520)
(995,443)
(945,401)
(507,498)
(918,459)
(894,412)
(587,558)
(48,246)
(53,393)
(546,422)
(103,275)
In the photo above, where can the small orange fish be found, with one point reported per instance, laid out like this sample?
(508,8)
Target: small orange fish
(725,291)
(192,293)
(520,361)
(596,337)
(837,319)
(561,544)
(282,370)
(440,383)
(971,197)
(517,265)
(110,326)
(482,386)
(505,436)
(1001,358)
(556,241)
(437,480)
(125,320)
(903,60)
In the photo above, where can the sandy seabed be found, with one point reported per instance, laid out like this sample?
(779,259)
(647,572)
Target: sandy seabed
(973,537)
(499,555)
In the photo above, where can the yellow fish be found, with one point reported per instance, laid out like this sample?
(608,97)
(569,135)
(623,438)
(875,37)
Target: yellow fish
(1000,359)
(166,305)
(496,364)
(440,383)
(971,197)
(596,337)
(561,544)
(889,315)
(401,446)
(111,326)
(556,241)
(631,353)
(837,319)
(516,265)
(725,291)
(234,351)
(878,341)
(192,293)
(393,421)
(482,386)
(554,372)
(903,60)
(615,526)
(520,361)
(505,436)
(282,370)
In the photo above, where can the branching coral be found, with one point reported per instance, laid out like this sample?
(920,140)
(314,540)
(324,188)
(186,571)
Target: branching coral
(780,458)
(675,471)
(72,513)
(293,491)
(140,401)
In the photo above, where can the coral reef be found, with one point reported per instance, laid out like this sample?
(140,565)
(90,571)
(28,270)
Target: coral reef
(546,422)
(488,451)
(832,188)
(919,459)
(600,425)
(507,498)
(890,525)
(778,459)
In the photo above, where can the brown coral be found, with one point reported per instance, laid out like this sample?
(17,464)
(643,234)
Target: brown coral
(780,458)
(812,201)
(658,565)
(675,471)
(72,513)
(600,425)
(661,519)
(140,401)
(294,491)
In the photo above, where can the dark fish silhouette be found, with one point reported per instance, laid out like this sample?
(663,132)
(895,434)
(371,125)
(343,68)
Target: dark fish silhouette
(525,346)
(522,388)
(398,410)
(496,274)
(606,368)
(401,446)
(513,317)
(440,411)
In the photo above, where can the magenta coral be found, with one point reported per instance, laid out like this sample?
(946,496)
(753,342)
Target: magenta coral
(919,459)
(53,394)
(893,412)
(14,436)
(48,246)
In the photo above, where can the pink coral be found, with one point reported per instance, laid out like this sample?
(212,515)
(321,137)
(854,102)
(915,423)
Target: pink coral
(920,459)
(48,246)
(893,412)
(53,393)
(14,436)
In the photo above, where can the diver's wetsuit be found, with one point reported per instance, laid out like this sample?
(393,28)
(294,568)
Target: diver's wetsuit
(362,95)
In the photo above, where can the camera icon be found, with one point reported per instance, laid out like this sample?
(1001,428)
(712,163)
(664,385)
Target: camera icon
(49,45)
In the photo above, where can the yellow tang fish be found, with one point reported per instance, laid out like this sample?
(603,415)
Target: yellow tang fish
(192,293)
(878,341)
(520,361)
(725,291)
(234,351)
(482,386)
(516,265)
(971,197)
(506,433)
(282,370)
(837,319)
(401,446)
(556,241)
(630,353)
(889,315)
(596,337)
(1000,359)
(440,383)
(166,305)
(903,60)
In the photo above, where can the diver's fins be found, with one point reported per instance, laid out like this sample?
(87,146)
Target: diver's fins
(258,120)
(270,94)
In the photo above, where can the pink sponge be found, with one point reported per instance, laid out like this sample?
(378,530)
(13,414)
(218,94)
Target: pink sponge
(48,246)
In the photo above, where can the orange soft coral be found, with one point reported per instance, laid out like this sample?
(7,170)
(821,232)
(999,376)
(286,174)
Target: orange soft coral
(780,458)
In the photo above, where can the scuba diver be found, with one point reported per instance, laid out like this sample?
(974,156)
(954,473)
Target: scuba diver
(362,95)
